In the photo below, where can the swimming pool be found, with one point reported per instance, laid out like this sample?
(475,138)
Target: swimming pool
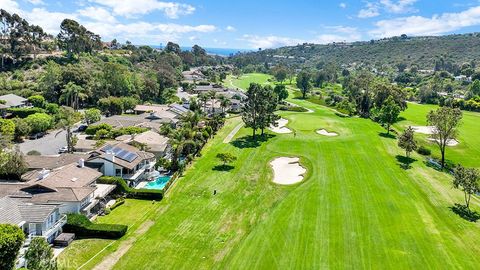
(158,183)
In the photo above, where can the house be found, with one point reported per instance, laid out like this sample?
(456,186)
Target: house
(34,219)
(123,160)
(14,101)
(153,142)
(172,110)
(152,120)
(51,162)
(72,187)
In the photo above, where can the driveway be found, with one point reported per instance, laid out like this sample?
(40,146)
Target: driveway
(48,145)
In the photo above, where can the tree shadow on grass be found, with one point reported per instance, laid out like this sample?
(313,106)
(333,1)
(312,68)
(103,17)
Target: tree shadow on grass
(405,162)
(223,168)
(465,213)
(250,142)
(387,135)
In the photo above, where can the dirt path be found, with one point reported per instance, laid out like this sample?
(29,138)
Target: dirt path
(232,134)
(113,258)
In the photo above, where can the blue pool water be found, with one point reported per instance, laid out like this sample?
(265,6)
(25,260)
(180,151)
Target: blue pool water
(158,183)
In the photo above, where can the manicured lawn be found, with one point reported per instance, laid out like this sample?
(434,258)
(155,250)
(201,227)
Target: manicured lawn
(244,81)
(131,213)
(357,207)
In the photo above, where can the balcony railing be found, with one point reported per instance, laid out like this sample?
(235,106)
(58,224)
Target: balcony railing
(55,227)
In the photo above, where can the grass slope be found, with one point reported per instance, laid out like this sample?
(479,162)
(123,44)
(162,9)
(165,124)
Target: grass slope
(357,207)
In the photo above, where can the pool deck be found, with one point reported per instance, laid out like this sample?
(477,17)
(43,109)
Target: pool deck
(142,184)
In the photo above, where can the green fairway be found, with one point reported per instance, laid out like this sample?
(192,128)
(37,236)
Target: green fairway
(467,152)
(357,208)
(244,81)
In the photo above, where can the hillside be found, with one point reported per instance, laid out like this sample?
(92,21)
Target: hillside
(421,51)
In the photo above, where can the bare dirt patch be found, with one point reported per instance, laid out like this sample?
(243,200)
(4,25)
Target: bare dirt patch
(324,132)
(281,127)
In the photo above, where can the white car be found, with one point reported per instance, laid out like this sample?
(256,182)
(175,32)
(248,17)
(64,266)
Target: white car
(62,150)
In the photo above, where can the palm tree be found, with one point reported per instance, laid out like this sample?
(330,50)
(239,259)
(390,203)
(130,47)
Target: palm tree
(203,98)
(224,103)
(191,117)
(72,94)
(213,95)
(67,119)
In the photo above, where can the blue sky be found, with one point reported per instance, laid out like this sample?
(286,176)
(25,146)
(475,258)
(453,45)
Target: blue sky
(248,24)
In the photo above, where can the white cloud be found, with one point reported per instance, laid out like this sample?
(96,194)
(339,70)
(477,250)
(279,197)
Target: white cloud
(97,14)
(400,6)
(435,25)
(369,11)
(10,6)
(36,2)
(131,8)
(342,5)
(230,28)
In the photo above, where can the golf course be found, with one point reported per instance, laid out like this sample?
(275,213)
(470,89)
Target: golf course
(356,205)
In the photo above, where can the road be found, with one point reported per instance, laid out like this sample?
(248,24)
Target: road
(48,145)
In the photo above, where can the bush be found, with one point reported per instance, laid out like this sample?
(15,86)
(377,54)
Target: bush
(24,112)
(422,150)
(84,228)
(142,194)
(117,203)
(34,153)
(11,240)
(92,129)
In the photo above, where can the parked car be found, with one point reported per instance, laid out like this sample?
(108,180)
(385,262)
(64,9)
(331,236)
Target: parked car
(62,150)
(82,128)
(37,135)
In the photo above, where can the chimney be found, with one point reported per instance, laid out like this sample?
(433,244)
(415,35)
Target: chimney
(110,156)
(43,174)
(81,163)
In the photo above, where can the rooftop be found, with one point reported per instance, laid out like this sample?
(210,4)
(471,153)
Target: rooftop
(13,100)
(71,175)
(15,211)
(52,162)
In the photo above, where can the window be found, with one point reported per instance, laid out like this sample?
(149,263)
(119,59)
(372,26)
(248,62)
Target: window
(118,172)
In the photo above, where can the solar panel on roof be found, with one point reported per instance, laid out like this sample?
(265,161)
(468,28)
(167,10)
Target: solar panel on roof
(131,157)
(121,154)
(106,148)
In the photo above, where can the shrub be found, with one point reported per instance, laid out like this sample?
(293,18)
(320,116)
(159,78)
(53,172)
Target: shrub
(33,153)
(292,108)
(142,194)
(92,129)
(84,228)
(11,240)
(422,150)
(24,112)
(117,203)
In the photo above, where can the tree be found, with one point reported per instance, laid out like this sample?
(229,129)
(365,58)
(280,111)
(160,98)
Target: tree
(466,179)
(39,255)
(72,94)
(268,105)
(39,122)
(11,240)
(203,97)
(251,108)
(67,118)
(388,113)
(22,128)
(303,82)
(92,115)
(224,103)
(51,81)
(173,48)
(129,103)
(407,141)
(226,158)
(281,92)
(37,101)
(7,128)
(12,163)
(111,105)
(75,38)
(280,73)
(445,121)
(475,88)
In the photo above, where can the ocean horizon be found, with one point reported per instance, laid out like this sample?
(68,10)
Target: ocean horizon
(211,51)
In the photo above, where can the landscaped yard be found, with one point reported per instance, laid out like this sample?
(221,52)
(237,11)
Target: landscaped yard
(356,208)
(88,252)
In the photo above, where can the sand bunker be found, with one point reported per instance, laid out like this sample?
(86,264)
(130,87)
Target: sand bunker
(450,142)
(287,171)
(326,133)
(424,129)
(281,128)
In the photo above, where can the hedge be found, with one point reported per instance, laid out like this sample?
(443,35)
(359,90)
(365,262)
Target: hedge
(84,228)
(142,194)
(24,112)
(117,203)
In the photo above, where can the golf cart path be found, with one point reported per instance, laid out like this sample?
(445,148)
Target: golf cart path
(232,133)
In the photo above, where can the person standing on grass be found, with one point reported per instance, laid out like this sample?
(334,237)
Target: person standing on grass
(294,134)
